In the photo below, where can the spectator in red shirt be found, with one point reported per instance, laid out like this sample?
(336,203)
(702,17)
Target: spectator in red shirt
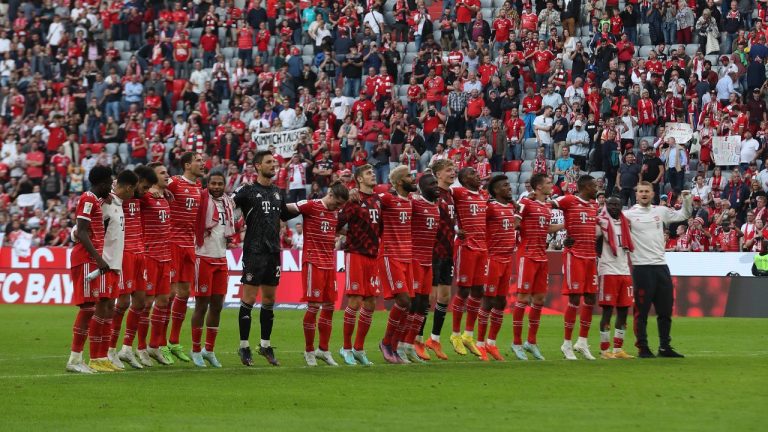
(209,42)
(542,57)
(728,239)
(35,162)
(245,44)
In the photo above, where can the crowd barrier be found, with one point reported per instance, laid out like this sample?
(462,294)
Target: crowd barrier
(702,284)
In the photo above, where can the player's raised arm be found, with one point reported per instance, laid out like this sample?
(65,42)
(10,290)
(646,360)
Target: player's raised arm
(671,216)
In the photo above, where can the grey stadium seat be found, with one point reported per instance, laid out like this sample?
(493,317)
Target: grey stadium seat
(527,166)
(513,176)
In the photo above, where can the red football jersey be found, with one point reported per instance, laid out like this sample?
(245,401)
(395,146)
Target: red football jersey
(502,236)
(319,234)
(156,224)
(728,241)
(89,208)
(396,216)
(446,231)
(581,223)
(534,226)
(470,212)
(363,221)
(184,202)
(426,219)
(134,241)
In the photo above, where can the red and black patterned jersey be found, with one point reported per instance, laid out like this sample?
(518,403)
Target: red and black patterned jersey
(426,218)
(581,224)
(396,214)
(319,234)
(363,221)
(502,236)
(184,201)
(446,229)
(89,209)
(534,226)
(134,240)
(470,212)
(156,223)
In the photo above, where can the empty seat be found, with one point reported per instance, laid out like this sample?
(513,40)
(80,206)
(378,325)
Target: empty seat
(530,144)
(513,176)
(529,155)
(308,50)
(527,166)
(524,177)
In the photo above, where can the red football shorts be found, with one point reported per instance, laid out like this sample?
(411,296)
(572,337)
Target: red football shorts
(87,292)
(499,276)
(114,282)
(133,273)
(362,275)
(211,277)
(182,264)
(532,276)
(319,284)
(422,278)
(616,290)
(471,267)
(579,275)
(158,276)
(397,277)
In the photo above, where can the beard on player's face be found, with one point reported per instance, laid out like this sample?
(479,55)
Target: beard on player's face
(409,187)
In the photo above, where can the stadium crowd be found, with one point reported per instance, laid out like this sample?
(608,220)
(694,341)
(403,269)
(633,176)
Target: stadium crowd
(561,87)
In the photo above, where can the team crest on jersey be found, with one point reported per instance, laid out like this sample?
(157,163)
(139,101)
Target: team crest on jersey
(463,278)
(248,277)
(94,293)
(173,273)
(354,286)
(277,196)
(203,289)
(608,297)
(526,285)
(129,284)
(576,286)
(415,285)
(149,286)
(399,284)
(492,288)
(317,293)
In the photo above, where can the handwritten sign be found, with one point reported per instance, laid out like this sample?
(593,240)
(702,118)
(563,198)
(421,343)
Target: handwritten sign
(726,150)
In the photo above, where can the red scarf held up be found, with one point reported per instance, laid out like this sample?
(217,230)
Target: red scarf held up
(606,224)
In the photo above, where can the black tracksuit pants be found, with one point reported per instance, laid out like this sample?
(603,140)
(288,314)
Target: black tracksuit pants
(653,286)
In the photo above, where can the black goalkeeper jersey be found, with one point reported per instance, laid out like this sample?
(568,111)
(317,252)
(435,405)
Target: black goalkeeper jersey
(263,209)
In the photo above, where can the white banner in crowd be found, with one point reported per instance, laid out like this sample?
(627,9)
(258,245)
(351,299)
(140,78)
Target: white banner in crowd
(28,200)
(681,132)
(284,142)
(726,150)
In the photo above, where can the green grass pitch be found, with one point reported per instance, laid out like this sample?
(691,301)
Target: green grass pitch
(721,385)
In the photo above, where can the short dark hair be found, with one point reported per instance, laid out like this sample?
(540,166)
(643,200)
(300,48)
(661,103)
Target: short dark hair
(154,165)
(187,157)
(338,190)
(463,173)
(127,178)
(362,170)
(424,179)
(100,174)
(217,173)
(583,181)
(493,182)
(144,172)
(259,156)
(538,179)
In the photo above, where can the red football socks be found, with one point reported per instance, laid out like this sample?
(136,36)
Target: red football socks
(534,316)
(159,320)
(106,334)
(482,323)
(143,329)
(585,319)
(618,338)
(415,321)
(178,313)
(396,314)
(473,306)
(605,336)
(117,323)
(310,325)
(518,313)
(210,338)
(197,335)
(94,336)
(497,318)
(324,327)
(363,325)
(80,328)
(457,308)
(350,317)
(131,325)
(570,319)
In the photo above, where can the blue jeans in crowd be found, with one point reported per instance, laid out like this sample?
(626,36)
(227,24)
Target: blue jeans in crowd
(669,29)
(113,109)
(352,87)
(515,152)
(382,173)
